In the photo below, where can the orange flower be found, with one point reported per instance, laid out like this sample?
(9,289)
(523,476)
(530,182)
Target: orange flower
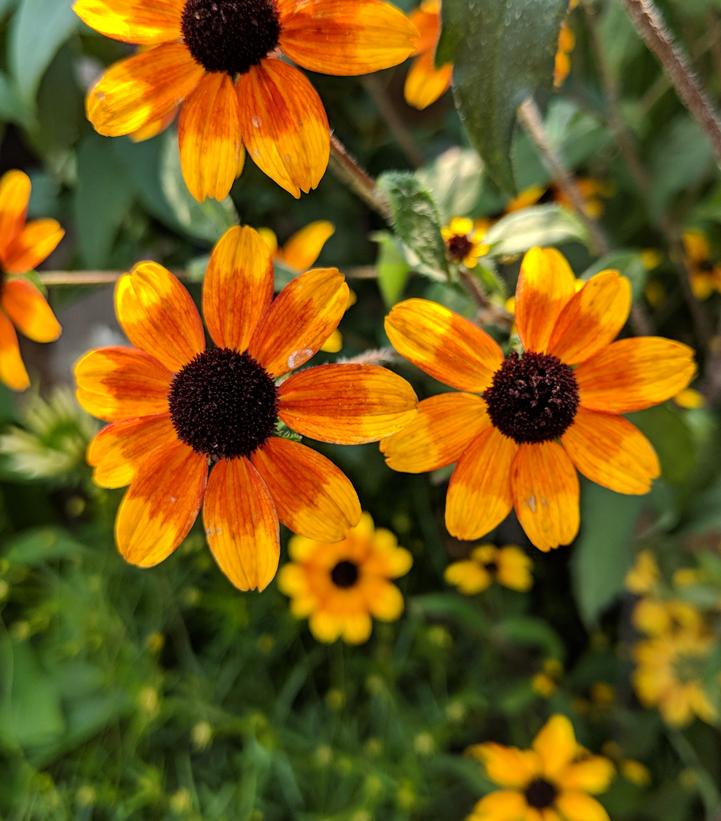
(541,414)
(220,61)
(177,408)
(425,83)
(23,246)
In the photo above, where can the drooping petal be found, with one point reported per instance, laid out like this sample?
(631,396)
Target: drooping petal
(209,137)
(346,404)
(160,506)
(14,198)
(633,374)
(592,318)
(301,318)
(241,525)
(577,806)
(443,344)
(593,774)
(345,37)
(556,745)
(29,311)
(507,766)
(121,383)
(425,83)
(313,497)
(12,370)
(438,435)
(479,493)
(545,285)
(33,245)
(133,21)
(238,287)
(284,125)
(502,805)
(141,89)
(119,449)
(612,452)
(158,315)
(304,247)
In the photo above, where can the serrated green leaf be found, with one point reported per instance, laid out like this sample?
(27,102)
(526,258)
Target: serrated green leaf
(538,225)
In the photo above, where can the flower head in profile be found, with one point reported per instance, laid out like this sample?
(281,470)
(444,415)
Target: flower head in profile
(194,425)
(219,62)
(524,424)
(341,587)
(464,240)
(23,246)
(508,566)
(705,274)
(555,779)
(425,83)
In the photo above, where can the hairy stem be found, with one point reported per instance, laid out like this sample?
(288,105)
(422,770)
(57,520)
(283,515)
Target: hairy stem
(349,172)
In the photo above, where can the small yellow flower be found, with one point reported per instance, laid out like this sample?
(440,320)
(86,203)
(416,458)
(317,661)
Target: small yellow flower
(566,45)
(545,682)
(464,240)
(690,399)
(508,566)
(687,577)
(525,198)
(655,617)
(635,772)
(705,274)
(644,574)
(592,191)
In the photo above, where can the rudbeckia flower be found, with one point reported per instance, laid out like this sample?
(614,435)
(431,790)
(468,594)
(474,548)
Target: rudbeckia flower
(192,423)
(705,274)
(553,780)
(525,423)
(425,83)
(464,240)
(219,62)
(509,566)
(341,587)
(23,246)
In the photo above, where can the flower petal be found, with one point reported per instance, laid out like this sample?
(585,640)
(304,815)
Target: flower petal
(284,125)
(312,496)
(141,89)
(133,21)
(576,806)
(556,745)
(238,287)
(301,318)
(386,602)
(29,311)
(438,435)
(121,383)
(346,404)
(468,576)
(507,766)
(12,369)
(592,318)
(443,344)
(241,525)
(305,246)
(633,374)
(612,452)
(357,628)
(425,83)
(209,137)
(479,493)
(502,805)
(345,37)
(160,506)
(545,286)
(33,245)
(158,315)
(14,198)
(592,775)
(546,494)
(119,449)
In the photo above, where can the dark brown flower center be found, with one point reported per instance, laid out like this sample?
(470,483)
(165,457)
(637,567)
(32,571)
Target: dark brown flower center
(541,794)
(223,404)
(533,397)
(230,35)
(459,247)
(344,574)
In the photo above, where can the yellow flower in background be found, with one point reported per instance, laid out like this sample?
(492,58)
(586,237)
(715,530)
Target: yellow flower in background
(545,682)
(219,63)
(508,566)
(593,193)
(705,274)
(656,617)
(635,771)
(566,45)
(341,587)
(525,198)
(424,82)
(23,246)
(644,575)
(464,240)
(690,399)
(555,779)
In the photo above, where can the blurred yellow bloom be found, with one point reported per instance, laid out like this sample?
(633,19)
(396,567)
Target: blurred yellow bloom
(651,258)
(425,83)
(464,240)
(525,198)
(644,575)
(635,772)
(340,587)
(705,274)
(508,566)
(655,617)
(545,683)
(593,192)
(566,45)
(655,293)
(686,577)
(690,399)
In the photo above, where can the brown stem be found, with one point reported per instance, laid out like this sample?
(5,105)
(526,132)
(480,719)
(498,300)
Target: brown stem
(349,172)
(488,312)
(379,356)
(404,137)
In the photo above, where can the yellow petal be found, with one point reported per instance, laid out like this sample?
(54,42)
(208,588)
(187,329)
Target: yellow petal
(133,21)
(303,249)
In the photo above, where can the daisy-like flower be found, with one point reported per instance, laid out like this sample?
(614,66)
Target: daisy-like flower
(464,240)
(190,423)
(704,272)
(220,61)
(509,566)
(645,574)
(23,246)
(553,781)
(525,423)
(341,587)
(656,617)
(425,83)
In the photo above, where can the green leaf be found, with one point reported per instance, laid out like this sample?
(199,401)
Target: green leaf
(455,179)
(673,440)
(527,630)
(628,263)
(393,270)
(12,108)
(503,51)
(538,225)
(40,545)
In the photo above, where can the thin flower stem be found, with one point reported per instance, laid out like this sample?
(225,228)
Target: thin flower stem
(488,312)
(404,137)
(349,172)
(378,356)
(650,25)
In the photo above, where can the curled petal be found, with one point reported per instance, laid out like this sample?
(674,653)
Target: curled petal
(29,310)
(304,247)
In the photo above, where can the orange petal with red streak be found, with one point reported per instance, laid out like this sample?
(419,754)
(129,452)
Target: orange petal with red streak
(29,311)
(133,21)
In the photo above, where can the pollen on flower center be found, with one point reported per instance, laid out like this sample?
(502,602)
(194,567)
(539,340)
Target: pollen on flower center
(541,794)
(533,397)
(344,574)
(230,35)
(459,247)
(223,404)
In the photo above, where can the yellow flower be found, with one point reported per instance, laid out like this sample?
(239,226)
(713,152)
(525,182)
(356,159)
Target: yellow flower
(554,779)
(219,63)
(529,196)
(566,45)
(509,566)
(690,399)
(635,772)
(655,617)
(644,575)
(464,240)
(592,191)
(705,274)
(545,682)
(425,83)
(340,587)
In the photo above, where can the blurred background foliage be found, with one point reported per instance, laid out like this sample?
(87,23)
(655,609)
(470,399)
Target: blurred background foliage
(166,693)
